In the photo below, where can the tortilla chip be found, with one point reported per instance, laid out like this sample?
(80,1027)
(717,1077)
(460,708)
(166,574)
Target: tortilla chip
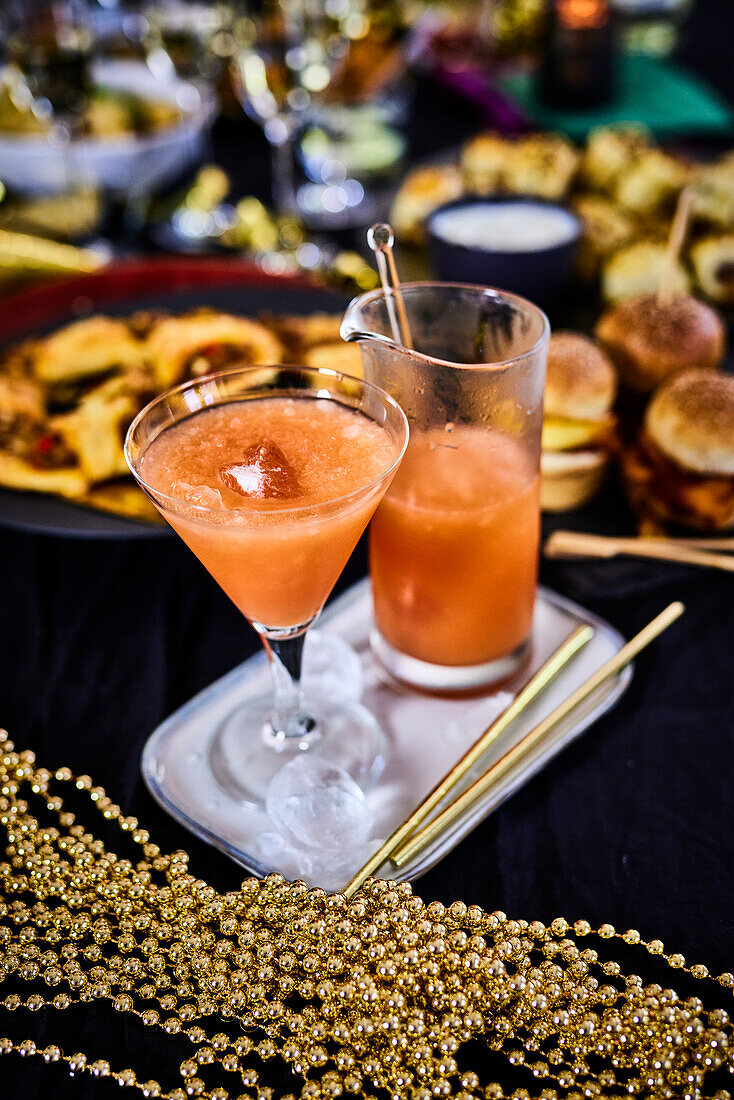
(17,473)
(123,498)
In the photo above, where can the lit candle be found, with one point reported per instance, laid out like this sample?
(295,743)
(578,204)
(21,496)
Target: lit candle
(579,60)
(576,14)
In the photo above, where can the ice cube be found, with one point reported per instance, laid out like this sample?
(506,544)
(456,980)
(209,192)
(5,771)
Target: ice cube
(263,473)
(333,870)
(271,846)
(331,667)
(330,870)
(203,496)
(317,805)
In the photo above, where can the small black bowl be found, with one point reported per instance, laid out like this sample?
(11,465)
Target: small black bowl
(538,274)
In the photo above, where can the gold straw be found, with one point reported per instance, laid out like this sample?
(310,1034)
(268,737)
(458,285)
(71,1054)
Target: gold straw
(22,251)
(417,842)
(381,239)
(532,689)
(398,291)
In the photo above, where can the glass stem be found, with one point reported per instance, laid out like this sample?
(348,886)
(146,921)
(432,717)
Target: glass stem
(284,185)
(289,720)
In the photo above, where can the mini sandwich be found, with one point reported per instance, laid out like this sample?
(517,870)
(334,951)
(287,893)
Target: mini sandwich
(578,425)
(649,341)
(681,469)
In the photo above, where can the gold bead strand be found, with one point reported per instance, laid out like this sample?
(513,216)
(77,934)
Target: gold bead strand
(391,988)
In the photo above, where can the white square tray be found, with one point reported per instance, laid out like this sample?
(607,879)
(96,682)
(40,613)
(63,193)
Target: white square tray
(427,735)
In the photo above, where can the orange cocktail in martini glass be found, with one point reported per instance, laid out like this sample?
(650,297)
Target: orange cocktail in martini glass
(270,477)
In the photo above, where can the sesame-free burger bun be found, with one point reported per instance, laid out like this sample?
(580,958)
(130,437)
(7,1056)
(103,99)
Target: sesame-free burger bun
(581,383)
(691,420)
(649,341)
(569,479)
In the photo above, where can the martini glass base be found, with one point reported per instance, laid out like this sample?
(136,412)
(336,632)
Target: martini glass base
(244,754)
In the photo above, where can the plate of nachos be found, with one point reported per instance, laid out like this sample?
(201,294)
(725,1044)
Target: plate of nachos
(81,358)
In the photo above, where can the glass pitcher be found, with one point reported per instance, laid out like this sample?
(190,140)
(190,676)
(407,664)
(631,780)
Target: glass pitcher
(454,544)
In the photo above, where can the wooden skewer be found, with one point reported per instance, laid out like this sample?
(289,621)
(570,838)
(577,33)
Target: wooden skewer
(535,737)
(575,544)
(721,544)
(381,239)
(678,233)
(532,689)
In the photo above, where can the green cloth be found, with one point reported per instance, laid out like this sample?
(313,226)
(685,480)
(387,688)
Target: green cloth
(667,99)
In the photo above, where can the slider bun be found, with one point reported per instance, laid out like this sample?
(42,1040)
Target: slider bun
(610,151)
(422,191)
(483,161)
(637,269)
(341,356)
(691,420)
(581,382)
(569,479)
(648,341)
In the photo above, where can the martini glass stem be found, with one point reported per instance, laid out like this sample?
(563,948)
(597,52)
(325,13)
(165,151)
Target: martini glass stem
(290,720)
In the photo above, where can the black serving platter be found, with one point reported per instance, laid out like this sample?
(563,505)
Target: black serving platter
(169,284)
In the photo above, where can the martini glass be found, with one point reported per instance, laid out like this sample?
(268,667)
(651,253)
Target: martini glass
(270,476)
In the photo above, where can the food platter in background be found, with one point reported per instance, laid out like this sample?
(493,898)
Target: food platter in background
(113,155)
(621,185)
(210,297)
(624,189)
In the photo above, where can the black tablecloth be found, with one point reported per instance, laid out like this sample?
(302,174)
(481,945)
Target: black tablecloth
(634,824)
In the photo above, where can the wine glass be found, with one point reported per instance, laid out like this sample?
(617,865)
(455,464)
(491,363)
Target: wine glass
(353,146)
(650,26)
(286,55)
(187,38)
(49,46)
(270,476)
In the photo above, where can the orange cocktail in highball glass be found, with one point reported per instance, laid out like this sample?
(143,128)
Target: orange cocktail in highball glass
(454,544)
(454,548)
(270,476)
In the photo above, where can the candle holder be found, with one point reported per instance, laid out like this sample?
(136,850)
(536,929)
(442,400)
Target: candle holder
(578,67)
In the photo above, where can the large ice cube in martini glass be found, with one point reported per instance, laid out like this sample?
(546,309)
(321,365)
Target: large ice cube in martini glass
(270,476)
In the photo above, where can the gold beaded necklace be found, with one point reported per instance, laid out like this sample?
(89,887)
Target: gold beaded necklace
(378,997)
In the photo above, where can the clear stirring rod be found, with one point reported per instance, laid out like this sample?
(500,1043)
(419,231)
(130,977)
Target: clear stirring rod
(381,238)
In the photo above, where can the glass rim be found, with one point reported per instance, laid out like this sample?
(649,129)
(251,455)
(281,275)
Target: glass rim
(491,291)
(204,509)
